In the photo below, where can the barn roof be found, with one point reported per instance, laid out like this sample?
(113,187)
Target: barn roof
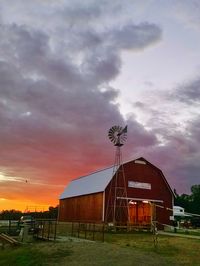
(92,183)
(98,181)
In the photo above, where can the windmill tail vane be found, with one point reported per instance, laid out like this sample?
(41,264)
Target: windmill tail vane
(124,130)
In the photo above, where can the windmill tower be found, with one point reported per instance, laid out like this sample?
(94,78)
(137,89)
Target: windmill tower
(117,210)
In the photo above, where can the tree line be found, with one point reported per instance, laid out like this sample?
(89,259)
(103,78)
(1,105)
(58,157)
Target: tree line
(191,203)
(52,213)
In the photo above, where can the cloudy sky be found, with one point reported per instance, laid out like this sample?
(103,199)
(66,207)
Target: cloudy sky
(69,70)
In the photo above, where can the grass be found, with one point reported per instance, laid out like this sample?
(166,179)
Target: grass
(118,249)
(189,232)
(183,250)
(20,256)
(37,253)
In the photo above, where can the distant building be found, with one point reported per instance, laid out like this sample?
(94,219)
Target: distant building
(86,199)
(181,219)
(178,211)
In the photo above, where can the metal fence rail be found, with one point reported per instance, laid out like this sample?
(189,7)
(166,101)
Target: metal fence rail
(51,229)
(89,231)
(95,231)
(46,229)
(10,227)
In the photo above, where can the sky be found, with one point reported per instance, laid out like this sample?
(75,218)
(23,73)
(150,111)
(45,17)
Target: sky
(70,70)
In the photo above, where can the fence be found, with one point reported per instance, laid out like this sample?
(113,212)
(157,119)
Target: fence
(89,231)
(45,229)
(51,229)
(10,227)
(95,231)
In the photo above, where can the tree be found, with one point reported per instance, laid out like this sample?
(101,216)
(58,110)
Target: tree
(191,203)
(10,215)
(52,213)
(195,197)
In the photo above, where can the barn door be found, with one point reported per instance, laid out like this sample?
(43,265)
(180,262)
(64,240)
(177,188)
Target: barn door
(133,213)
(140,213)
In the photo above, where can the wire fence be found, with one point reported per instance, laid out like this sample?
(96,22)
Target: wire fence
(89,231)
(45,229)
(51,229)
(10,227)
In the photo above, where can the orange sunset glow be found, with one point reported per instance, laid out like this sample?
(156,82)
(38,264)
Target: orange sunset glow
(6,204)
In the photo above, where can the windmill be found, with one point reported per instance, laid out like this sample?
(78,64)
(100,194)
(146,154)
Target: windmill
(117,210)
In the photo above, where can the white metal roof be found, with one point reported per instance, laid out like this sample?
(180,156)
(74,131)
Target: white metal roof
(93,183)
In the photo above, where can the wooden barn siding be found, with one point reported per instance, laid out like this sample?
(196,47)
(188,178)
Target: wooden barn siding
(147,173)
(82,208)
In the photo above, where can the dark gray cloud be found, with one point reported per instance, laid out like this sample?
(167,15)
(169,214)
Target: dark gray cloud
(56,102)
(189,93)
(177,158)
(136,36)
(174,119)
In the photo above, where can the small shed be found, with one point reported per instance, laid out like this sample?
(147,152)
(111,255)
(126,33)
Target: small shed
(85,199)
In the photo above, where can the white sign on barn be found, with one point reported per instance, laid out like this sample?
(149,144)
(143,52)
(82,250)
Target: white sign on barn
(139,185)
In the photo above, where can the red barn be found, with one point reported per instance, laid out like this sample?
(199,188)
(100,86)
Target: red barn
(86,199)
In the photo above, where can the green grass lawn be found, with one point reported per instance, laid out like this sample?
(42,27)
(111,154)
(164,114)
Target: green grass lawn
(180,251)
(195,232)
(34,254)
(118,249)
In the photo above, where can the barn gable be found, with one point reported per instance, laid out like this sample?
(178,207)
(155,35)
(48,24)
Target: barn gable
(158,169)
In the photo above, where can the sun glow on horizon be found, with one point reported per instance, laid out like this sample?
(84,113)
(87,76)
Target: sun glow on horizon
(28,206)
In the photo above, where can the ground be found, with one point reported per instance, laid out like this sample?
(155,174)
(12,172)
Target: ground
(119,250)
